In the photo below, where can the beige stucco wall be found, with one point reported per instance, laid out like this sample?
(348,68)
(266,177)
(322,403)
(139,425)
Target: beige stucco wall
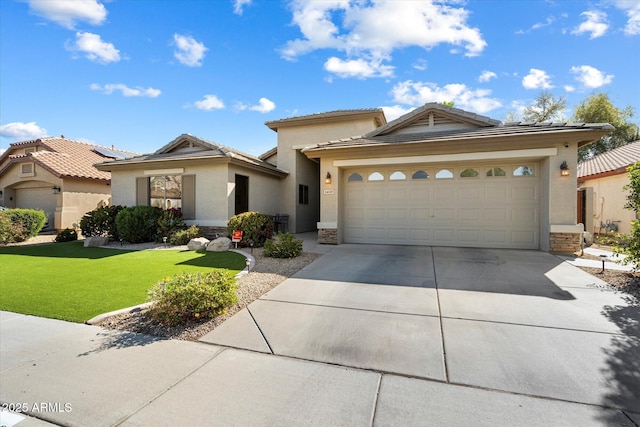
(302,170)
(214,189)
(76,197)
(558,202)
(264,191)
(608,202)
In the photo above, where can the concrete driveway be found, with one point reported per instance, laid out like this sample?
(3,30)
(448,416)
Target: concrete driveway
(521,322)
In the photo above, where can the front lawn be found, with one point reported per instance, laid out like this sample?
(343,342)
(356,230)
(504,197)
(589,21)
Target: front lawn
(70,282)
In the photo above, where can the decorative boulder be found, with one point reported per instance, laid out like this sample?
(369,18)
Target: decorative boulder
(95,241)
(198,244)
(220,244)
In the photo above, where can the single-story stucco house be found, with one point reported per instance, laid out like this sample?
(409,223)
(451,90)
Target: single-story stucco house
(56,175)
(435,176)
(601,197)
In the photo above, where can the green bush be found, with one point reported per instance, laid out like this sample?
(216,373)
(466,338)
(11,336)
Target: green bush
(138,224)
(630,245)
(101,222)
(169,223)
(192,296)
(182,237)
(256,228)
(18,225)
(67,235)
(283,245)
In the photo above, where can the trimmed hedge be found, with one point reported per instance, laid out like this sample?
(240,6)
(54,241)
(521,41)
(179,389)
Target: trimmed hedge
(256,228)
(67,235)
(101,222)
(138,224)
(18,225)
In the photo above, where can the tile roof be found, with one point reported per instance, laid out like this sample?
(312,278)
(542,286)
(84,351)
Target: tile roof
(617,159)
(510,129)
(273,124)
(213,150)
(62,157)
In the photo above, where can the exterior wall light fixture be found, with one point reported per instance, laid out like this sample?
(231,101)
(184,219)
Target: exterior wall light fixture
(564,169)
(56,189)
(327,179)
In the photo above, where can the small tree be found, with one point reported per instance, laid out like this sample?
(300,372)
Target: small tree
(631,245)
(545,108)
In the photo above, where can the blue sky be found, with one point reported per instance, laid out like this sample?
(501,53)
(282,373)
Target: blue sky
(136,74)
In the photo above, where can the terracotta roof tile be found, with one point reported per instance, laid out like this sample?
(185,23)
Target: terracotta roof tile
(618,158)
(62,157)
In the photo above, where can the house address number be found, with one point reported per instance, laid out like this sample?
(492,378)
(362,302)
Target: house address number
(328,191)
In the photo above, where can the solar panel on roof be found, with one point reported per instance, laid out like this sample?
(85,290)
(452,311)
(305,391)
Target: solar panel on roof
(110,153)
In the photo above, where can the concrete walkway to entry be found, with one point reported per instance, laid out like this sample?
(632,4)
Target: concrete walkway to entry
(365,335)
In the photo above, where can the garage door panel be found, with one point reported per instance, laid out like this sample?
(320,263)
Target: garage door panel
(39,198)
(475,212)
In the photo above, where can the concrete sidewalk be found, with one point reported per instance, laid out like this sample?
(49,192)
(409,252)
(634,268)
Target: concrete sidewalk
(71,374)
(365,335)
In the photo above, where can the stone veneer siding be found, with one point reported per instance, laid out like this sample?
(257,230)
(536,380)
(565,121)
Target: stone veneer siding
(328,236)
(565,242)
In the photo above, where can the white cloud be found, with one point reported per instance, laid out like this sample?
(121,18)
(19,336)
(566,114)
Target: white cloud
(420,64)
(94,48)
(238,6)
(22,131)
(537,79)
(569,88)
(550,20)
(392,112)
(591,77)
(419,93)
(69,12)
(632,9)
(265,106)
(126,91)
(210,102)
(189,51)
(595,24)
(359,68)
(371,31)
(486,76)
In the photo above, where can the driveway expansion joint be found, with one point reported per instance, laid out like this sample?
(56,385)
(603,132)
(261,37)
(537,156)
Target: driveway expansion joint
(260,330)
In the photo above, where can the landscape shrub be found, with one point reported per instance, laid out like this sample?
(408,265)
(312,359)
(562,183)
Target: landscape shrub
(67,235)
(256,228)
(138,224)
(169,223)
(182,237)
(18,225)
(630,244)
(192,296)
(283,245)
(101,222)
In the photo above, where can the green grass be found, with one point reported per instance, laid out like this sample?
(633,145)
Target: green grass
(70,282)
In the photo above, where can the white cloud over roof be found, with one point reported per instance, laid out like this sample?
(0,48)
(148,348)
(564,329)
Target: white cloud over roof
(137,91)
(368,32)
(486,76)
(595,24)
(188,51)
(94,48)
(537,79)
(591,77)
(420,93)
(632,9)
(21,131)
(210,102)
(68,13)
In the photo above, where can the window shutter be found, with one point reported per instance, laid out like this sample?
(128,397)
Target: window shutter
(189,196)
(142,191)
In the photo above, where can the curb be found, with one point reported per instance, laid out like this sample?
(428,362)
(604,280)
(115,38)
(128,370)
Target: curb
(102,317)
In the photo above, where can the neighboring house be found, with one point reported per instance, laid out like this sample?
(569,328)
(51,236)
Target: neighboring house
(57,176)
(208,182)
(435,176)
(601,197)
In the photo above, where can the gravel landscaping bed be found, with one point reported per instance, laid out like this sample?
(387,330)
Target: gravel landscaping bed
(267,274)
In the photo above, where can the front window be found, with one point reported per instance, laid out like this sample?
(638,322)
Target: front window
(166,191)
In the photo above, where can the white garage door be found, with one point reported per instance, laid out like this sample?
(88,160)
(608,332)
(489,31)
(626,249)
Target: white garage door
(38,198)
(494,206)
